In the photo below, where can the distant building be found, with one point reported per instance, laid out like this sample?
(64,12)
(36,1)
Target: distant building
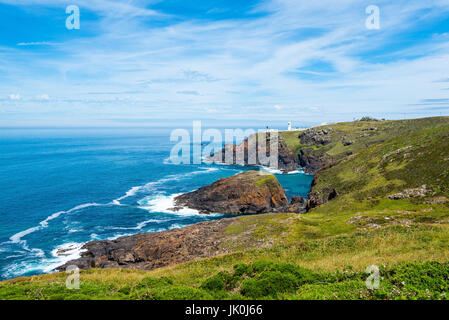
(289,126)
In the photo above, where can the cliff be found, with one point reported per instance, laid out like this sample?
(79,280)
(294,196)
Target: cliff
(247,192)
(287,161)
(147,251)
(380,196)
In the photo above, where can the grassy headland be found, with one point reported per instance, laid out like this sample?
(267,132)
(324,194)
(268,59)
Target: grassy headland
(383,200)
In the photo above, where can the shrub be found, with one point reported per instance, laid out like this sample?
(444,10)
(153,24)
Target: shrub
(427,276)
(221,281)
(302,275)
(269,284)
(126,290)
(262,265)
(215,283)
(182,293)
(149,282)
(242,269)
(368,119)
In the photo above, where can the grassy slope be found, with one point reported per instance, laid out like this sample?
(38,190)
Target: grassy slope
(336,241)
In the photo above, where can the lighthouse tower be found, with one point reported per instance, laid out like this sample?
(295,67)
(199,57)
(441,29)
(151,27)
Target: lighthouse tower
(289,126)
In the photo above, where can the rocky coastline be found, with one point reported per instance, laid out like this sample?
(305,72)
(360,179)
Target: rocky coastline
(288,161)
(251,192)
(148,251)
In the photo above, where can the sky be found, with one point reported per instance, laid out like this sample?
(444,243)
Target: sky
(153,62)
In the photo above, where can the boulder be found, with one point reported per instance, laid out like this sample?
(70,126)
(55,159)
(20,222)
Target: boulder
(245,193)
(410,193)
(148,251)
(316,137)
(249,148)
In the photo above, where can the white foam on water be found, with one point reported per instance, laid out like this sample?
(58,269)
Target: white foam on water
(149,186)
(139,226)
(75,230)
(270,170)
(17,238)
(73,250)
(130,193)
(94,236)
(63,253)
(60,255)
(299,171)
(166,204)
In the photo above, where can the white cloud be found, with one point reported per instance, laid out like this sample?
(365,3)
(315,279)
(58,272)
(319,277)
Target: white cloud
(240,62)
(43,97)
(43,43)
(15,96)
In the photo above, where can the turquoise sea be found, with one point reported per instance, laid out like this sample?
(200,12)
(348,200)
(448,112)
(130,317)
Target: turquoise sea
(60,188)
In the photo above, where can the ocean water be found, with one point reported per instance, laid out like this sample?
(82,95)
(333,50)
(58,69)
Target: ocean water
(60,188)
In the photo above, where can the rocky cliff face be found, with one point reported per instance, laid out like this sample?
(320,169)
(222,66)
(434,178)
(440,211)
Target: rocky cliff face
(248,192)
(312,162)
(245,193)
(287,161)
(309,159)
(147,251)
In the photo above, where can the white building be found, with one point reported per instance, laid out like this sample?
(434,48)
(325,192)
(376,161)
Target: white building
(289,126)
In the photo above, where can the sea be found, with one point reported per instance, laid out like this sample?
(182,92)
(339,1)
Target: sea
(63,187)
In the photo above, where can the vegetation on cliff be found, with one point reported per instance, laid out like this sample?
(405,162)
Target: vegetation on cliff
(381,199)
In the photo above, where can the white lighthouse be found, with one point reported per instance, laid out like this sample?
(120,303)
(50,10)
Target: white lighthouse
(289,126)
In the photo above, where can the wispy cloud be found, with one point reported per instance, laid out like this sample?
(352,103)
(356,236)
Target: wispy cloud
(43,43)
(282,58)
(15,96)
(189,93)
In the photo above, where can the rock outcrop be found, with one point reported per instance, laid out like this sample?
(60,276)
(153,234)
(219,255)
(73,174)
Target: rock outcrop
(245,193)
(287,161)
(311,162)
(410,193)
(147,251)
(316,137)
(248,192)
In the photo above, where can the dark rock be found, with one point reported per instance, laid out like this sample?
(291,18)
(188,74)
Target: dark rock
(410,193)
(249,148)
(312,162)
(319,197)
(370,129)
(247,192)
(299,205)
(332,195)
(314,136)
(147,251)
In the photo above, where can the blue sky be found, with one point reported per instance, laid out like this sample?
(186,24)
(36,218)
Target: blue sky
(149,61)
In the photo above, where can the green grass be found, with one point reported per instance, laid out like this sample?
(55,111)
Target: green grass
(291,139)
(407,160)
(265,180)
(323,254)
